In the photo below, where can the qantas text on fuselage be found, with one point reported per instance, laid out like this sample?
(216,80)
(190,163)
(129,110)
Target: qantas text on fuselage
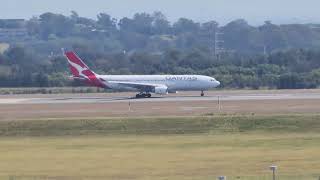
(144,84)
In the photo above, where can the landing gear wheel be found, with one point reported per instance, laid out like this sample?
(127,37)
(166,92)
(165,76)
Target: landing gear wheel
(202,94)
(143,95)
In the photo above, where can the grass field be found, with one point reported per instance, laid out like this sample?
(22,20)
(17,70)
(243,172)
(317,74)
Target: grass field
(198,148)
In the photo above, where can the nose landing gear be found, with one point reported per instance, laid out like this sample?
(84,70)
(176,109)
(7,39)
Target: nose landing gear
(202,93)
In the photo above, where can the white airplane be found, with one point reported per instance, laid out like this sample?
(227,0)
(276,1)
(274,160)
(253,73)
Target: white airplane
(144,84)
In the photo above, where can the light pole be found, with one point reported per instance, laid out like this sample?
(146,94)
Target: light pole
(273,169)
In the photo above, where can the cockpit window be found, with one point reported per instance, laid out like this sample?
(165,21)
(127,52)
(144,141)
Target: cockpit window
(213,79)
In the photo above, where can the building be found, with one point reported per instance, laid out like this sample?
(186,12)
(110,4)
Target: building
(12,30)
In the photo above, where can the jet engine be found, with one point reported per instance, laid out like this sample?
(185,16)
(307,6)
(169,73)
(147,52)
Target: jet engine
(161,90)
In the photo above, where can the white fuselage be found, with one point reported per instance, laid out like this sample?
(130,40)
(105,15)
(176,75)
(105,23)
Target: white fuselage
(145,84)
(172,82)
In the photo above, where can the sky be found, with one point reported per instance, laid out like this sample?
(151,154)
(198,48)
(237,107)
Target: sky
(223,11)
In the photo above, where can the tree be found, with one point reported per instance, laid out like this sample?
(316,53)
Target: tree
(289,81)
(33,26)
(106,21)
(41,79)
(185,25)
(160,23)
(56,24)
(237,35)
(141,23)
(272,36)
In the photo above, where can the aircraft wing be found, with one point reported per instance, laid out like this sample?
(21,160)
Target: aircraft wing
(139,86)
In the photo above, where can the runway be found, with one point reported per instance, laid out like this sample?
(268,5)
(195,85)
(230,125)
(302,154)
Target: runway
(105,105)
(183,97)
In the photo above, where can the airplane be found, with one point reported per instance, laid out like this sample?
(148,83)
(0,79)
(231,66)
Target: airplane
(144,84)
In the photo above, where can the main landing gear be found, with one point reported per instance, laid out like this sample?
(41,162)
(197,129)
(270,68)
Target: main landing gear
(202,93)
(143,95)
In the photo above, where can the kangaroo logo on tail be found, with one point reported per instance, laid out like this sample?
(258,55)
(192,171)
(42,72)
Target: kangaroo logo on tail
(80,70)
(77,66)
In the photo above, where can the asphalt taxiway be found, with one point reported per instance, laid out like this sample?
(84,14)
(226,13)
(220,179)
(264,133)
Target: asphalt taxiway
(189,96)
(105,105)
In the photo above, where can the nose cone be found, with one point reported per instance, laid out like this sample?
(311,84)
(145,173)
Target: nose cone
(218,83)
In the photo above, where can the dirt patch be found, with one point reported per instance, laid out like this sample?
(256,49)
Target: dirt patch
(185,108)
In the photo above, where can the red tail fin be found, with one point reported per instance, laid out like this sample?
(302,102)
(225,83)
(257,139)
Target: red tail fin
(80,70)
(77,67)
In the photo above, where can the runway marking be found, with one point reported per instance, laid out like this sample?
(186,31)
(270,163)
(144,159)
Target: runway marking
(193,108)
(12,101)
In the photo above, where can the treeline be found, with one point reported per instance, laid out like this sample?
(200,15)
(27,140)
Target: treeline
(154,33)
(284,70)
(268,56)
